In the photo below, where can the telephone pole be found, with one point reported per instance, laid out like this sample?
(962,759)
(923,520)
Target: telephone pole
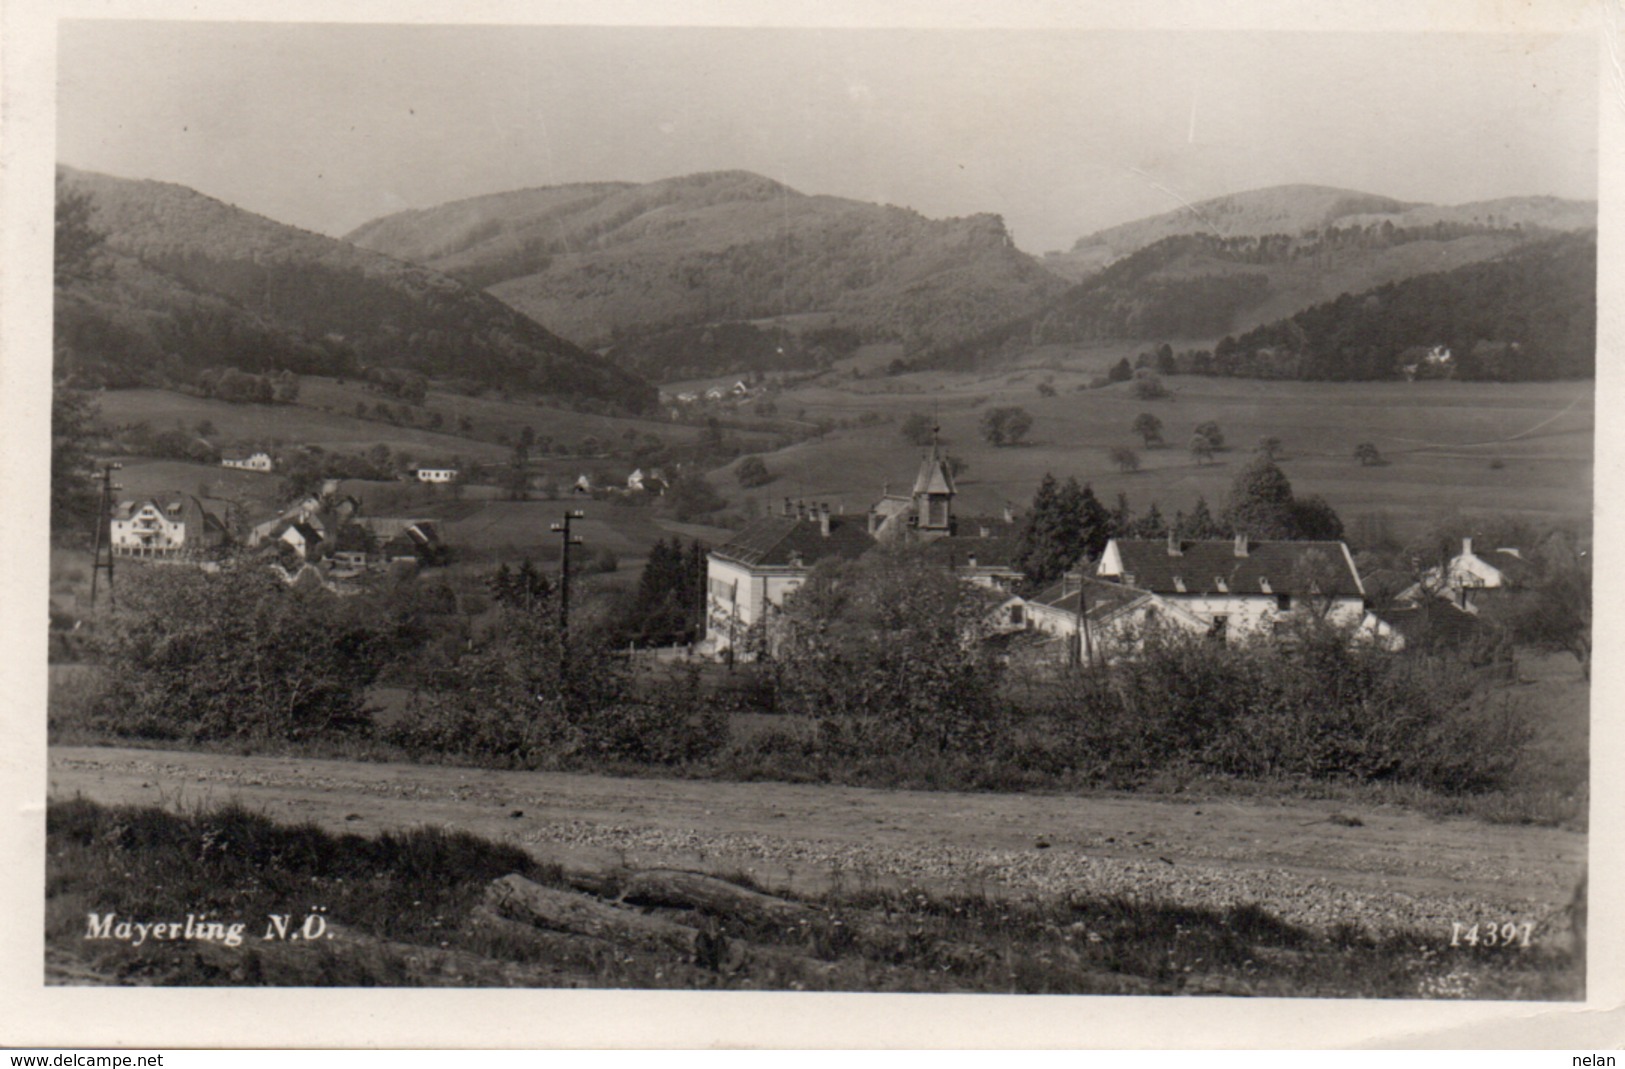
(566,540)
(104,536)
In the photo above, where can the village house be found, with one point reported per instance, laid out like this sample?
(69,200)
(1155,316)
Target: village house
(260,462)
(1236,586)
(1470,578)
(437,475)
(750,575)
(303,539)
(171,525)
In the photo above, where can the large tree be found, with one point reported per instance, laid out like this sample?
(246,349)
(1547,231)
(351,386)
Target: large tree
(1261,505)
(884,652)
(78,243)
(1065,524)
(73,490)
(1149,428)
(1006,426)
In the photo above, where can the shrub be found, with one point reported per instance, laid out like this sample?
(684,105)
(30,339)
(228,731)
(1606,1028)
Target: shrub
(753,472)
(235,654)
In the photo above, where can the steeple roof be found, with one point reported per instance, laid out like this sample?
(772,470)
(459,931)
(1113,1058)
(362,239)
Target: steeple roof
(934,477)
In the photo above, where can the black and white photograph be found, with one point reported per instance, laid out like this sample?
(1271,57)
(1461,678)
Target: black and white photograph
(1038,509)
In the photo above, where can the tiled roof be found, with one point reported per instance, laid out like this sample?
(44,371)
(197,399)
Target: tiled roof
(774,541)
(999,548)
(1267,568)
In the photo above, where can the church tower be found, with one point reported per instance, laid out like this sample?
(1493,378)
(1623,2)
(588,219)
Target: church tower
(933,495)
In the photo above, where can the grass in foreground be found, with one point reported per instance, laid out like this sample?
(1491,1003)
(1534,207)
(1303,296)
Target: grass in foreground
(415,909)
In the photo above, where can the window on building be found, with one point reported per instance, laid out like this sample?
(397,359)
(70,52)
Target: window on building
(1283,602)
(1220,625)
(1017,618)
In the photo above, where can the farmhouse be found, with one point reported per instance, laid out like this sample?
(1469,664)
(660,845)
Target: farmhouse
(1236,586)
(167,526)
(437,475)
(1470,577)
(260,462)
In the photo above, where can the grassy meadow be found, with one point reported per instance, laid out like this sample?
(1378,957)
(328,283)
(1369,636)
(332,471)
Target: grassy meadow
(1475,447)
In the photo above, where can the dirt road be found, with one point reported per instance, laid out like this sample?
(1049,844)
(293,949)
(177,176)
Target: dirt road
(1384,869)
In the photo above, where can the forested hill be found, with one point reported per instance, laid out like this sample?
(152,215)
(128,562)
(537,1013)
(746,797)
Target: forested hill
(1531,314)
(183,282)
(610,262)
(1192,289)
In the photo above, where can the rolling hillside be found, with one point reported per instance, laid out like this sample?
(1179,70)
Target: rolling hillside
(183,282)
(1295,210)
(607,262)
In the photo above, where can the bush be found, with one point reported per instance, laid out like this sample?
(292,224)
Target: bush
(753,472)
(1311,704)
(235,654)
(516,702)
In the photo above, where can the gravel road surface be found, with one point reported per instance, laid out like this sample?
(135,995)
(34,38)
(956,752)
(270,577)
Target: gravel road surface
(1392,870)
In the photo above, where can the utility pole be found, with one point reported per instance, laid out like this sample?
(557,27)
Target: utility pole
(566,540)
(104,535)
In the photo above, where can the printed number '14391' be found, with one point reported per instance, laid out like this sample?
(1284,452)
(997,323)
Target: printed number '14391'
(1491,935)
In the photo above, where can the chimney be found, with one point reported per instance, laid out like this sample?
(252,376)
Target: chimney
(1241,544)
(823,519)
(1174,549)
(1466,547)
(971,560)
(801,509)
(789,508)
(1009,513)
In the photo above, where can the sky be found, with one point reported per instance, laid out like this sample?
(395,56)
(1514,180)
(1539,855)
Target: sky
(1062,132)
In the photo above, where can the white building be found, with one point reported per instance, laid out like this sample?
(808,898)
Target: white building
(1237,586)
(169,525)
(437,475)
(260,462)
(1469,573)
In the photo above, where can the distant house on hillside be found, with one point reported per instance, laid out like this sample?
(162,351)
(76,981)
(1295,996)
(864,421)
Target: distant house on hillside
(260,462)
(170,525)
(437,475)
(651,482)
(1427,362)
(1239,585)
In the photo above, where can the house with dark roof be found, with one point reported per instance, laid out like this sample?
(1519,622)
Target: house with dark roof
(749,576)
(304,539)
(1239,585)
